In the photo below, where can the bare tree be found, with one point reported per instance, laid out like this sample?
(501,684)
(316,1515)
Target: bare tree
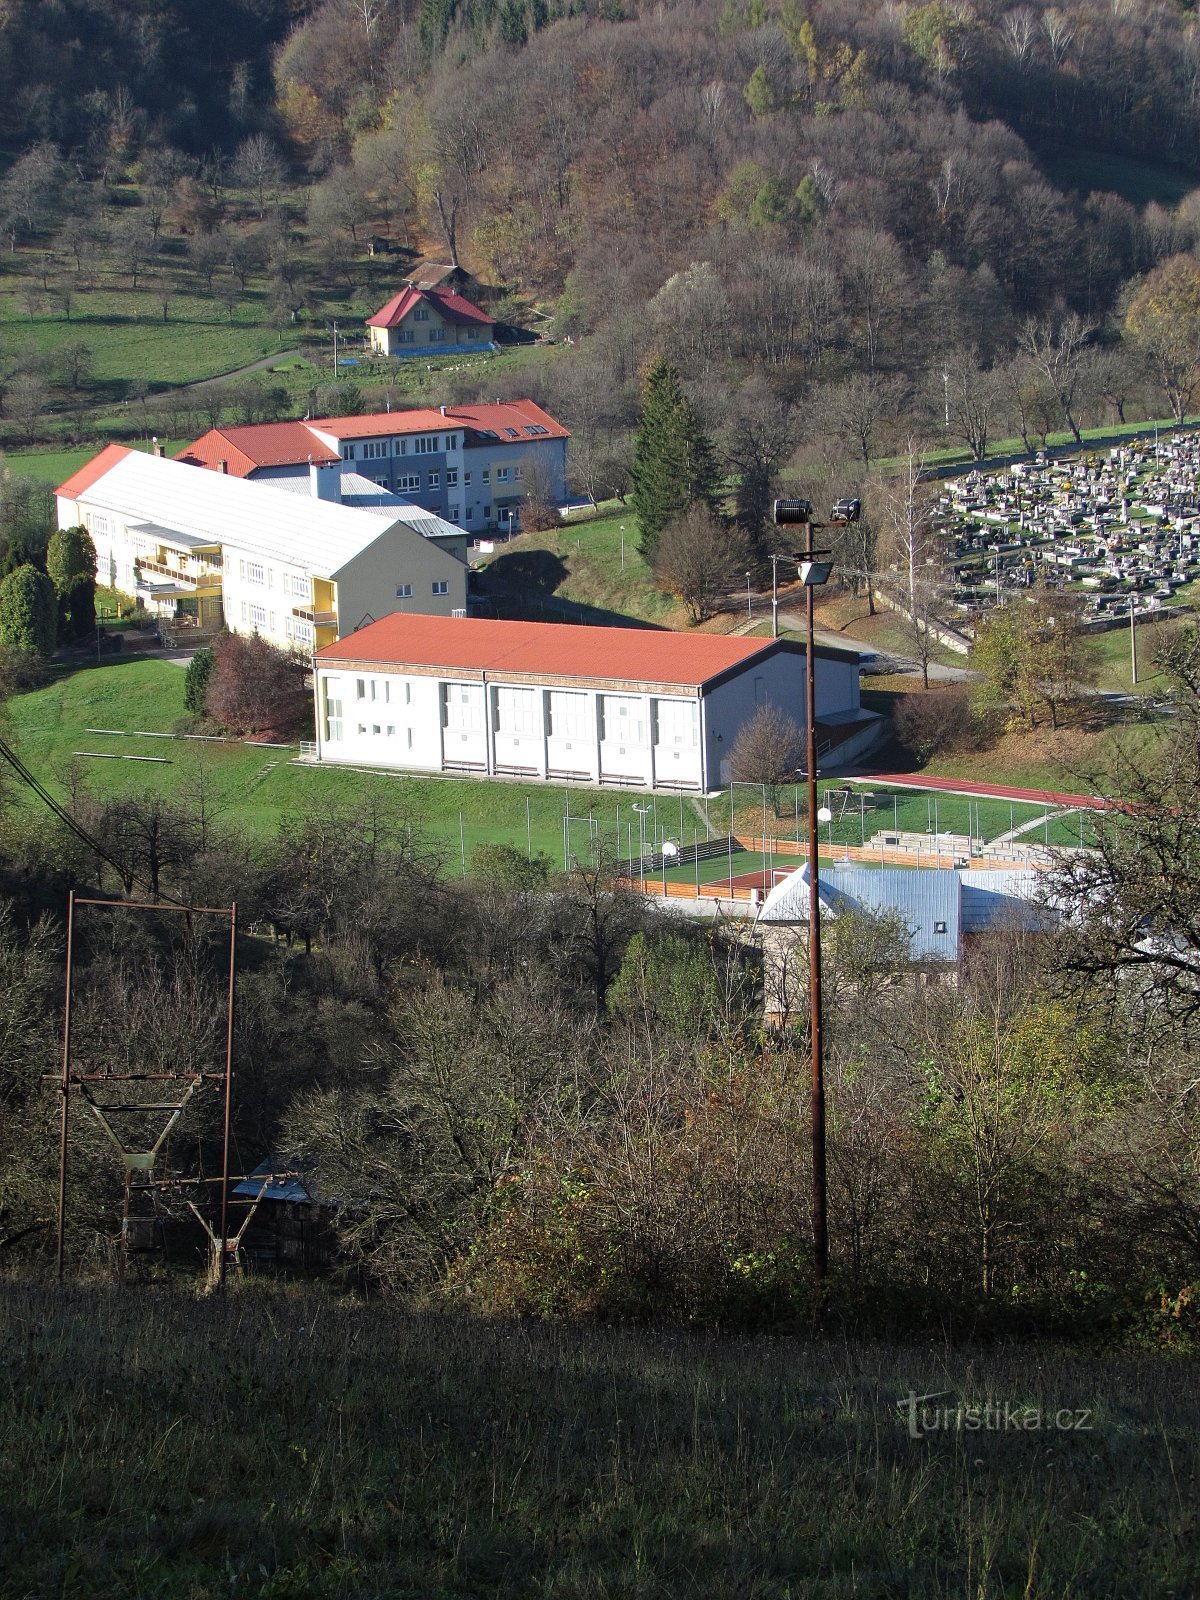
(768,751)
(914,551)
(698,558)
(259,166)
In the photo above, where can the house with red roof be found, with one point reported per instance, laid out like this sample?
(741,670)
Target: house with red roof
(429,321)
(639,708)
(471,465)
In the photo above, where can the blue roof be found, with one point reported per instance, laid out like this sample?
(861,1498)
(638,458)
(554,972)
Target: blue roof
(938,904)
(281,1185)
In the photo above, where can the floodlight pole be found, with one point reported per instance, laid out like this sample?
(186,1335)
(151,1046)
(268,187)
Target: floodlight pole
(820,1208)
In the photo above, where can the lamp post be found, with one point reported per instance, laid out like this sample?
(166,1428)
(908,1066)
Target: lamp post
(749,612)
(813,572)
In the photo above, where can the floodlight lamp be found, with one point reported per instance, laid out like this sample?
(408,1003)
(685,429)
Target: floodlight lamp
(815,573)
(824,814)
(787,512)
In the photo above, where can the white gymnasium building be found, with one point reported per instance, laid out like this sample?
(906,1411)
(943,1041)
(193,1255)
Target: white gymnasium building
(198,548)
(633,707)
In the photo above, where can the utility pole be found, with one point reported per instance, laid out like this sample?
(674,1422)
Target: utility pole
(814,569)
(1133,638)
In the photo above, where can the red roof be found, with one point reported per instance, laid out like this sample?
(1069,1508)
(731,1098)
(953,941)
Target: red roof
(262,444)
(453,307)
(509,420)
(92,471)
(554,649)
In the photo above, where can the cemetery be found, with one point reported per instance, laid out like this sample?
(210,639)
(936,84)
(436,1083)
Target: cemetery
(1121,529)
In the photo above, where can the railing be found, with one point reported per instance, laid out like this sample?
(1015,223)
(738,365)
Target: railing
(319,619)
(204,576)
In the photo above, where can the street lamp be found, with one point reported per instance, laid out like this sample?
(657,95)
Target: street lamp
(812,573)
(749,612)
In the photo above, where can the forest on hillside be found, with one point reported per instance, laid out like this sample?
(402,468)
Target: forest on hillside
(843,223)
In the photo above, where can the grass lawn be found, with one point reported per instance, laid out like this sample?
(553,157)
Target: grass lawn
(56,466)
(130,342)
(1110,654)
(284,1443)
(255,787)
(582,561)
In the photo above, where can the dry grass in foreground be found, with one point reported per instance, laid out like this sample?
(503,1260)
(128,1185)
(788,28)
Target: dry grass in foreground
(284,1444)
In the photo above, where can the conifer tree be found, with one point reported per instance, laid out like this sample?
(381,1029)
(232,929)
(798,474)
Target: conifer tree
(673,465)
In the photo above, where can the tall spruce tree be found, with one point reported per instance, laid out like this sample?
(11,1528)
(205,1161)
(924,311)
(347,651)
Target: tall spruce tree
(71,567)
(673,464)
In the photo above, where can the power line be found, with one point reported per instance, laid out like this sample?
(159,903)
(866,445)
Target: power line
(64,816)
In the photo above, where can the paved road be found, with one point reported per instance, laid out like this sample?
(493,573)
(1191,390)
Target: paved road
(873,660)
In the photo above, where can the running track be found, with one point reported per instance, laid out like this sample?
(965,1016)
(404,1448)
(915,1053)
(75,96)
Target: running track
(984,791)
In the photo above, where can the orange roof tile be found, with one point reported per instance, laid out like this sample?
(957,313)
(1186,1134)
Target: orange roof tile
(92,471)
(554,649)
(522,416)
(262,444)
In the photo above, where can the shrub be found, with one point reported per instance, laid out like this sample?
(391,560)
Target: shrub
(28,612)
(255,687)
(939,721)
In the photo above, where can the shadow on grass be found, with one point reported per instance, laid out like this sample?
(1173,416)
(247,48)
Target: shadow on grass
(521,586)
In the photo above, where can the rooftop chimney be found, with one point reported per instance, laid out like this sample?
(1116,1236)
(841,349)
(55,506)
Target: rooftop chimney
(222,465)
(157,448)
(325,480)
(443,410)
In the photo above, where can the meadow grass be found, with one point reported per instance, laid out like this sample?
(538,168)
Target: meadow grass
(285,1443)
(256,787)
(582,561)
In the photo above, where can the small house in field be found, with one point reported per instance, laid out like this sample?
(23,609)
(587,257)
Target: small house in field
(432,321)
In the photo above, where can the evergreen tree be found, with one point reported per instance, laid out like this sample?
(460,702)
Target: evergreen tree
(195,681)
(673,465)
(71,567)
(28,612)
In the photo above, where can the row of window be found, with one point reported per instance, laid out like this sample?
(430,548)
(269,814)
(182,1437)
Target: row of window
(404,590)
(424,444)
(516,712)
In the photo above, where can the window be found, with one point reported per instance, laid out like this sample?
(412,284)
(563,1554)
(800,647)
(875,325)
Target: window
(454,513)
(441,587)
(245,612)
(375,728)
(408,694)
(362,727)
(452,477)
(255,572)
(406,336)
(437,335)
(382,483)
(404,591)
(425,444)
(466,480)
(300,632)
(408,481)
(399,447)
(258,616)
(347,452)
(570,716)
(758,691)
(939,927)
(408,737)
(421,314)
(375,449)
(333,714)
(391,730)
(518,473)
(360,688)
(536,427)
(501,474)
(516,711)
(485,476)
(434,480)
(513,433)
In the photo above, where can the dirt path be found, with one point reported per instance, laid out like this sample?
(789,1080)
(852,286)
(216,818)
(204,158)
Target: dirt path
(244,372)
